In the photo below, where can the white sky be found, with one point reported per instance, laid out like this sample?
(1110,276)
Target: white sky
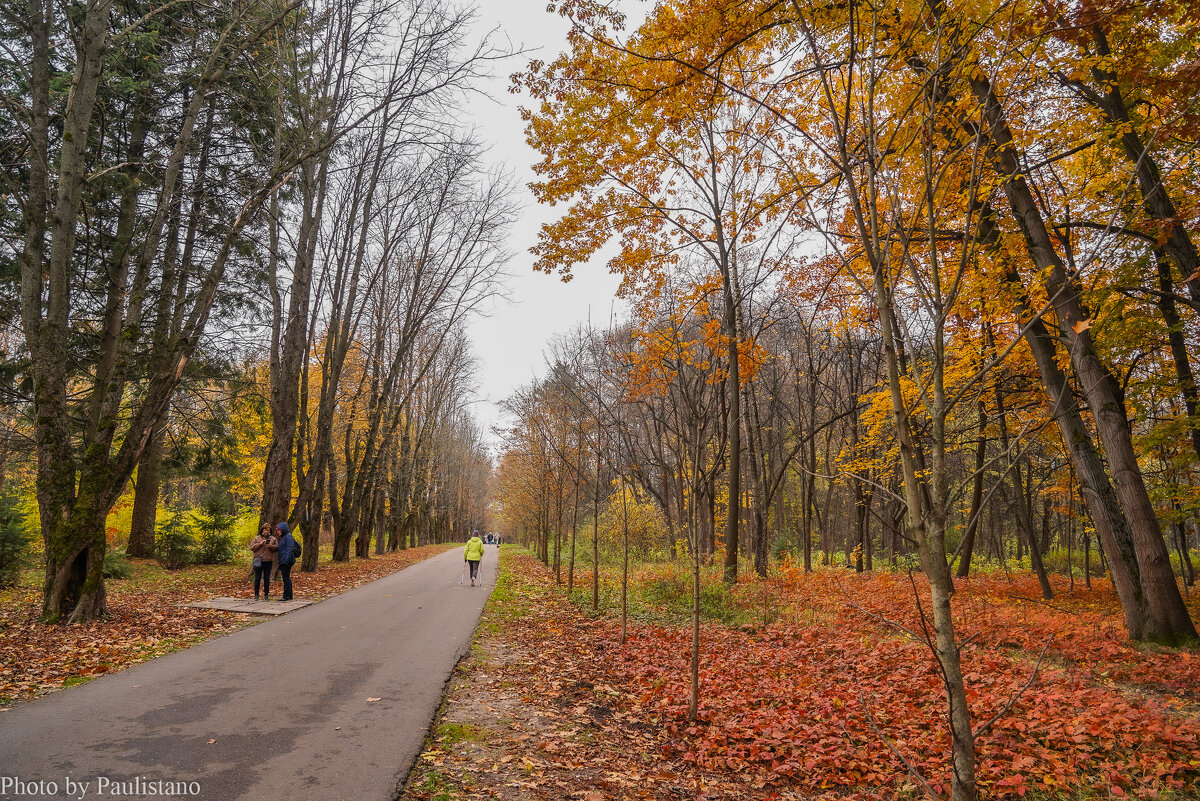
(509,344)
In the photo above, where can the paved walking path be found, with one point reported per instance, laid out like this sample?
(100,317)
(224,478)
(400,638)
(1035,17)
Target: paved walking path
(328,703)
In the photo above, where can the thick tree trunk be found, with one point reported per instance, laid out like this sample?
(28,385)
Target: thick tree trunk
(145,496)
(72,521)
(287,364)
(74,579)
(341,531)
(1099,496)
(1164,618)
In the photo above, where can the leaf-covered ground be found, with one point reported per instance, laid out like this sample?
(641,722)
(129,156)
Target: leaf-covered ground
(538,711)
(832,699)
(146,618)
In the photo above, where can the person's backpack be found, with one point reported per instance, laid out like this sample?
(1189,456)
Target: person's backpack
(299,550)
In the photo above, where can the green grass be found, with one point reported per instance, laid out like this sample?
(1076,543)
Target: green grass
(451,733)
(661,592)
(436,786)
(505,604)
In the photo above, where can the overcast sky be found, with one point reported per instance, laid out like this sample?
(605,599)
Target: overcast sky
(509,344)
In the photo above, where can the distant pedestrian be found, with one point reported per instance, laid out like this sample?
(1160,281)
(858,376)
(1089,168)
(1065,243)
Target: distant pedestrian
(472,555)
(264,547)
(289,551)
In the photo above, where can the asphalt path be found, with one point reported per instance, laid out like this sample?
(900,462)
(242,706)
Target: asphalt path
(328,703)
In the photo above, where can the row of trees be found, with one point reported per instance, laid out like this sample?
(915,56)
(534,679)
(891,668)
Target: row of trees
(925,265)
(205,202)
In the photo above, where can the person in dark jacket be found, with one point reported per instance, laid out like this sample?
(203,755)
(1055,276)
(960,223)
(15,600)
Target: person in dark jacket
(288,551)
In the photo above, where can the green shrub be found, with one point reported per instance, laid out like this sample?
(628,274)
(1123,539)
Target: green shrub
(174,545)
(14,539)
(673,591)
(117,565)
(215,521)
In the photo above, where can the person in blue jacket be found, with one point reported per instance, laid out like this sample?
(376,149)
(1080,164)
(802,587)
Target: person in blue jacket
(289,550)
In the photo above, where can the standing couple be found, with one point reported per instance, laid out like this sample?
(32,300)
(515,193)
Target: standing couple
(271,548)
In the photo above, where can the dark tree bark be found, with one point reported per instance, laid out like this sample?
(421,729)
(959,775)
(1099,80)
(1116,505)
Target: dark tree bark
(1163,616)
(145,496)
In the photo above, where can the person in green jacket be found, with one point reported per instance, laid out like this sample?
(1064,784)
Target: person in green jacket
(472,554)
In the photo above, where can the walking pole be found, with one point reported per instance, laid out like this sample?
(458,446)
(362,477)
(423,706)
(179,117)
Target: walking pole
(463,577)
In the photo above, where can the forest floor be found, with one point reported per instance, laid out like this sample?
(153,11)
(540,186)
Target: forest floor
(146,617)
(817,686)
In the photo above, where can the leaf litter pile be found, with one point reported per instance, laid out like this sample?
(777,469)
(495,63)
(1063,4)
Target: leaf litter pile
(145,618)
(837,698)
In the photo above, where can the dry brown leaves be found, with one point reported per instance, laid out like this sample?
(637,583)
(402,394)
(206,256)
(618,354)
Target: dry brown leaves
(145,618)
(536,713)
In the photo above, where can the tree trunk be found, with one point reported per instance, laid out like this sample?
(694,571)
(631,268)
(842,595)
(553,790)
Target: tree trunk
(596,528)
(734,434)
(1024,518)
(1163,616)
(976,512)
(145,496)
(72,521)
(1157,203)
(1179,350)
(574,528)
(927,524)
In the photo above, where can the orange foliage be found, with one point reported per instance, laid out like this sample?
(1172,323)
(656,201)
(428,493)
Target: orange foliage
(811,703)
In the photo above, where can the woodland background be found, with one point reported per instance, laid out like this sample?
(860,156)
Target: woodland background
(912,289)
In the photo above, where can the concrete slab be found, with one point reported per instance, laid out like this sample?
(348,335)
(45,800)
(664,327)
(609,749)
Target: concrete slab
(250,606)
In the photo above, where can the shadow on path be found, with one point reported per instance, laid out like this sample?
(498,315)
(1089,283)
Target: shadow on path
(331,702)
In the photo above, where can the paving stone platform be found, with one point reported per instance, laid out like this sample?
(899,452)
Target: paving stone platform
(250,606)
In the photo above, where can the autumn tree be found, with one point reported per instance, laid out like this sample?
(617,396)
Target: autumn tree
(695,170)
(123,227)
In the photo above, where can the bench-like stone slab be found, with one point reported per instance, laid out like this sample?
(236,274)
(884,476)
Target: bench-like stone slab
(250,606)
